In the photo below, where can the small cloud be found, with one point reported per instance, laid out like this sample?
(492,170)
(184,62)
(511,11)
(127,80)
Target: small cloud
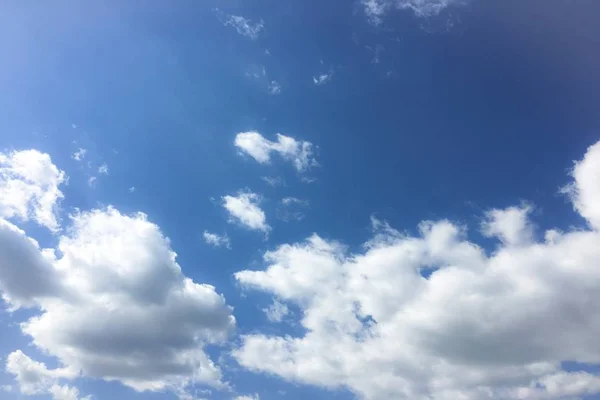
(273,180)
(216,240)
(6,388)
(307,179)
(247,397)
(92,181)
(300,153)
(131,189)
(276,311)
(274,87)
(267,52)
(244,209)
(323,78)
(288,201)
(73,126)
(79,154)
(103,169)
(242,25)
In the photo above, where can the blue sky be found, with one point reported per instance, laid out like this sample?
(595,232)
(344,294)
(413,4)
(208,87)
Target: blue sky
(242,129)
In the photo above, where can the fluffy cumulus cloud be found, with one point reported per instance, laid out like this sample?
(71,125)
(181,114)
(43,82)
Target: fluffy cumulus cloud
(299,153)
(376,9)
(435,316)
(110,302)
(34,378)
(244,209)
(216,240)
(29,184)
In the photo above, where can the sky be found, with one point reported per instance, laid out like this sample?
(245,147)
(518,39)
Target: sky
(258,200)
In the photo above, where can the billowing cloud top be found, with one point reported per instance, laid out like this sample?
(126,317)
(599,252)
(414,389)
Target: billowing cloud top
(434,316)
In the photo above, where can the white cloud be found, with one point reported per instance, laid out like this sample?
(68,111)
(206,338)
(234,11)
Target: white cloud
(274,87)
(91,181)
(103,169)
(63,392)
(244,209)
(79,155)
(247,397)
(276,311)
(434,316)
(113,303)
(272,180)
(244,26)
(322,79)
(585,191)
(216,240)
(29,184)
(131,189)
(6,388)
(376,9)
(299,153)
(34,378)
(288,201)
(510,225)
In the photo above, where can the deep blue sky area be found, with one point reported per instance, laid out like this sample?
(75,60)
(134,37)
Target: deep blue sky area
(484,105)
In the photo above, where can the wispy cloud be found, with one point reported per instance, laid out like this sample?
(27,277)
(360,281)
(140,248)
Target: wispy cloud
(242,25)
(79,154)
(273,180)
(216,240)
(274,87)
(291,209)
(375,10)
(322,79)
(103,169)
(276,311)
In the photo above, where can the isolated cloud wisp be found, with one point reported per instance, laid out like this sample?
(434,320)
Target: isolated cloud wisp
(322,79)
(242,25)
(29,184)
(216,240)
(434,315)
(244,209)
(299,153)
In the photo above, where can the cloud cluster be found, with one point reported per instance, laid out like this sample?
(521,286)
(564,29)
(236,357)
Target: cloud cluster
(110,302)
(244,209)
(435,316)
(299,153)
(29,184)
